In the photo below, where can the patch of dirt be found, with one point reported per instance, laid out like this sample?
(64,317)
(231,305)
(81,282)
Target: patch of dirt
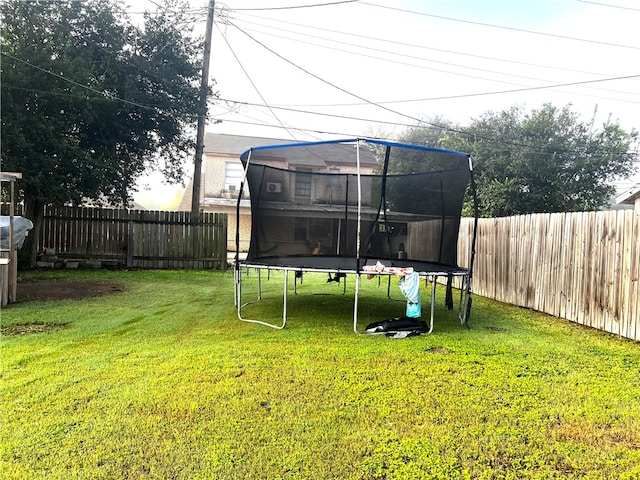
(46,290)
(55,289)
(29,328)
(440,350)
(491,328)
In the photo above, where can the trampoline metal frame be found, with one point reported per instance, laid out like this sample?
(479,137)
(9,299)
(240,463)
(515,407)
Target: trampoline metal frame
(463,311)
(465,274)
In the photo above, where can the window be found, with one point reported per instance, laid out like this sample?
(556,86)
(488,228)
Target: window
(233,173)
(303,184)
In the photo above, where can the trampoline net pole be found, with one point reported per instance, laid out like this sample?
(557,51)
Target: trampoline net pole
(358,232)
(358,223)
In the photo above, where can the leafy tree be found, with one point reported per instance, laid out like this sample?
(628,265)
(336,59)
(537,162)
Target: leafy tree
(90,101)
(544,161)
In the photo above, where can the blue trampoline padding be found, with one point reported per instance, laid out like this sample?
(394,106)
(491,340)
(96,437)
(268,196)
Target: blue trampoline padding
(354,140)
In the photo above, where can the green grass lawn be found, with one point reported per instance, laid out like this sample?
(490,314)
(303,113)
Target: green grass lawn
(162,381)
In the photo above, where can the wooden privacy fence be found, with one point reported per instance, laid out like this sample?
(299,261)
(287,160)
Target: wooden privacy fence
(136,238)
(583,267)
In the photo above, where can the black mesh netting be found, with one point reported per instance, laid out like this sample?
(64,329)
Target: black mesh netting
(309,205)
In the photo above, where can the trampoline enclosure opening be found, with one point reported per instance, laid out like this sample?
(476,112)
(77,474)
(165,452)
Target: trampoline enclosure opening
(341,205)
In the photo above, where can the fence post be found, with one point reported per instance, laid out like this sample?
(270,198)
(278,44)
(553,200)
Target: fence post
(130,241)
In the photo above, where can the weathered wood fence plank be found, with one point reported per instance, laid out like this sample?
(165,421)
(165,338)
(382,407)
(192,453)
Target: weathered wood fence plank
(583,267)
(136,238)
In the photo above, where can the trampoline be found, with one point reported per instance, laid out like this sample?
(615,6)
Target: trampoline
(344,206)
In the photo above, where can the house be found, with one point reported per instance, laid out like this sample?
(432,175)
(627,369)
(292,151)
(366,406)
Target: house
(630,197)
(222,174)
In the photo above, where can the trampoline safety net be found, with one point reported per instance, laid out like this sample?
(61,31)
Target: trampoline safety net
(341,204)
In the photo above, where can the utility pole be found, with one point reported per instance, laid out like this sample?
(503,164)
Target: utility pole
(204,86)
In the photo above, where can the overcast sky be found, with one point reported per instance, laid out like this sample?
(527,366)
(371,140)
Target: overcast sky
(308,69)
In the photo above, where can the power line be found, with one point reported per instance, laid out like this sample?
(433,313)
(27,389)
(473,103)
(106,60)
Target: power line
(313,131)
(113,98)
(450,72)
(612,6)
(343,134)
(289,130)
(411,45)
(252,82)
(317,77)
(306,27)
(103,96)
(477,94)
(500,92)
(288,126)
(513,29)
(294,7)
(419,121)
(349,117)
(115,55)
(73,82)
(271,108)
(331,115)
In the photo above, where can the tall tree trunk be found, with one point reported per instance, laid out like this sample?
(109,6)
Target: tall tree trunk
(34,211)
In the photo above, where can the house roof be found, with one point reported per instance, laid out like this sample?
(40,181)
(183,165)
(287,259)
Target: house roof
(629,197)
(320,156)
(235,144)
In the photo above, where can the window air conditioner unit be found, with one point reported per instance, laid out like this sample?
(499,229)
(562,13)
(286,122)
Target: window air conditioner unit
(231,187)
(274,187)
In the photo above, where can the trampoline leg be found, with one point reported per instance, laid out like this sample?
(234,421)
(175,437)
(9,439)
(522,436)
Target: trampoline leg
(464,308)
(284,298)
(434,279)
(240,304)
(236,285)
(462,291)
(355,304)
(239,294)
